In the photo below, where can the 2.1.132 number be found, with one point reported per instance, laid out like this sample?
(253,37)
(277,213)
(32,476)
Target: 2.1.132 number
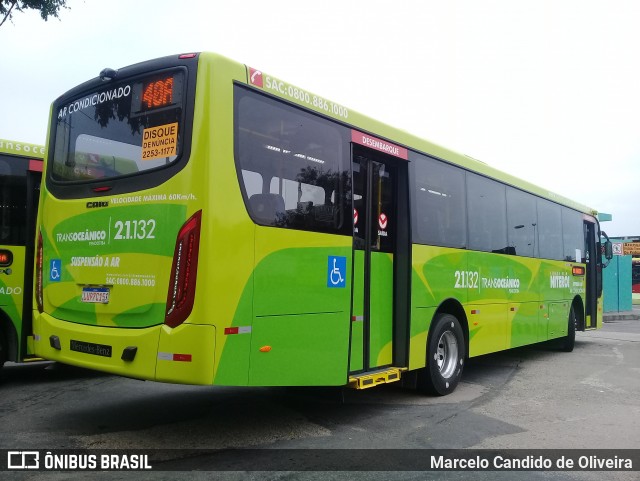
(466,279)
(135,229)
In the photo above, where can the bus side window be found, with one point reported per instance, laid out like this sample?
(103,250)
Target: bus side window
(550,230)
(521,222)
(572,235)
(487,208)
(292,165)
(439,196)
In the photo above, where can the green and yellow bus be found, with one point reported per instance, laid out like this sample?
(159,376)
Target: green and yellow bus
(20,173)
(203,222)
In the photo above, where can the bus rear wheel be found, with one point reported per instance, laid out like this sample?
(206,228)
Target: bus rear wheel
(3,352)
(446,352)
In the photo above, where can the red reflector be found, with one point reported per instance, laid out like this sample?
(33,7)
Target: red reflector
(578,270)
(475,311)
(102,189)
(231,330)
(35,165)
(182,357)
(187,55)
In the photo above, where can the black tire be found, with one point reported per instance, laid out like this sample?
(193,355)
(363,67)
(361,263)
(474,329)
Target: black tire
(446,351)
(568,342)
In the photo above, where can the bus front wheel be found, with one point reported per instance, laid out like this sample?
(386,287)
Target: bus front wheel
(567,343)
(446,352)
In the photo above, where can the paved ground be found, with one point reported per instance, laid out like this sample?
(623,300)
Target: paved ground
(529,398)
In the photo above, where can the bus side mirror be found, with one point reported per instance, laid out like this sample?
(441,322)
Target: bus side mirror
(608,249)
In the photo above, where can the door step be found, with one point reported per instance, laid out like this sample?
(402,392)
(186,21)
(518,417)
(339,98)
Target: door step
(371,379)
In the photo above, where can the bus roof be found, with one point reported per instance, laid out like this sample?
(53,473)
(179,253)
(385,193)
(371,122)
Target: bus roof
(22,149)
(279,88)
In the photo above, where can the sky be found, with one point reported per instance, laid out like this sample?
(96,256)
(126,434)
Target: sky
(545,90)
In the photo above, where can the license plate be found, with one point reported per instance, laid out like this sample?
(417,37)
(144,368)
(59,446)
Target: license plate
(90,348)
(96,295)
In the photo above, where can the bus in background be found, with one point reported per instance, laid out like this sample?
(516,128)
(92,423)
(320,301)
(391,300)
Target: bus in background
(20,173)
(203,222)
(635,276)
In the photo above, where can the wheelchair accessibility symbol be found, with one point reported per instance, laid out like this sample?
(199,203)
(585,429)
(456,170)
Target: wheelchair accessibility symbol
(55,270)
(337,272)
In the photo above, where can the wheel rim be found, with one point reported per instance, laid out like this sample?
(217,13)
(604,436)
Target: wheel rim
(447,354)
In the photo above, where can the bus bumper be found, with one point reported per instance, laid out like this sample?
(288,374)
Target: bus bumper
(181,355)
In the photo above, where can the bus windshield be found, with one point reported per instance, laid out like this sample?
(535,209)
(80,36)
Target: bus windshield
(122,129)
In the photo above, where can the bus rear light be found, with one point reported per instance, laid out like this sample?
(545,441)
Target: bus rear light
(182,282)
(187,55)
(39,260)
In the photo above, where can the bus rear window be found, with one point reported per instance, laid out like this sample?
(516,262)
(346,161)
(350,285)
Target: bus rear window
(13,200)
(126,128)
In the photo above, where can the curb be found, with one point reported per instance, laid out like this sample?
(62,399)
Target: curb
(621,316)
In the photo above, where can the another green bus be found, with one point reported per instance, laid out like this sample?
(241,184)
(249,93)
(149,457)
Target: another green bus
(20,173)
(203,222)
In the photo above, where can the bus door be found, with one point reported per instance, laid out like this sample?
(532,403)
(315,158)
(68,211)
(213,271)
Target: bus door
(34,176)
(375,245)
(594,273)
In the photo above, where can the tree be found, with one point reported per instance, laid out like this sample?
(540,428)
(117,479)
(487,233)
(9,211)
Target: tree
(46,8)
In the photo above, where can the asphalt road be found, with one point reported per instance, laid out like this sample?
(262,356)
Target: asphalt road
(529,398)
